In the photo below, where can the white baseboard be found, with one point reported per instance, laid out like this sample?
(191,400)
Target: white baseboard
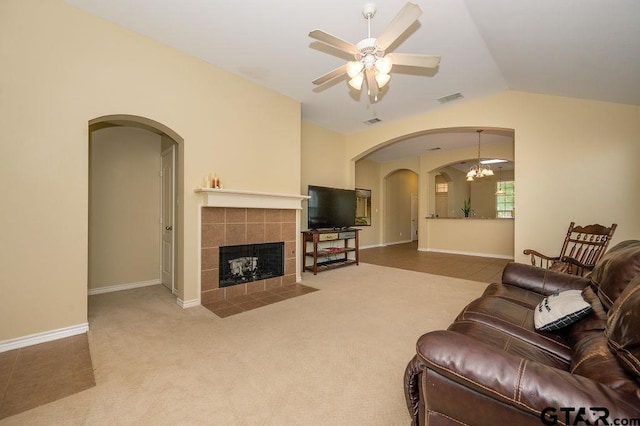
(120,287)
(184,304)
(469,253)
(393,243)
(47,336)
(371,246)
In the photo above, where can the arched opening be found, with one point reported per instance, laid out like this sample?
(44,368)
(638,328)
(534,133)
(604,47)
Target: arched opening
(443,189)
(135,184)
(400,195)
(444,152)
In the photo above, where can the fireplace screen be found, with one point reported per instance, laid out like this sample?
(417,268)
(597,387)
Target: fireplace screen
(250,262)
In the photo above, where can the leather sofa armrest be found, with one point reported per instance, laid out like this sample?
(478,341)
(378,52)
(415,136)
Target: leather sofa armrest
(540,280)
(526,385)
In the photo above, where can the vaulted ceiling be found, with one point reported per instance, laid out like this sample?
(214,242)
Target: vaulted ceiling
(579,48)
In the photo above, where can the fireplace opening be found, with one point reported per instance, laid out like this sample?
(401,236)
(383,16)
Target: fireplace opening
(250,262)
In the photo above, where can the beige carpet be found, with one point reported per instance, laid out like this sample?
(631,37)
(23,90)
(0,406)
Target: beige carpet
(331,357)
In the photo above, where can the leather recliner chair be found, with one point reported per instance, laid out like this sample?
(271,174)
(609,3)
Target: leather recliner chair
(491,366)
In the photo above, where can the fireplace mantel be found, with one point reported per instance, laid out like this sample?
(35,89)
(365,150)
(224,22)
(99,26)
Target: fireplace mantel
(250,199)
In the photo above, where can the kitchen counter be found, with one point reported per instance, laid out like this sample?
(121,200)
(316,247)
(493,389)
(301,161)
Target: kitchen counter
(470,218)
(474,236)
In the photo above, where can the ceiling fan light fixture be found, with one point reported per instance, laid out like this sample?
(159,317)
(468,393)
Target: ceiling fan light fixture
(382,79)
(371,61)
(354,68)
(356,82)
(384,65)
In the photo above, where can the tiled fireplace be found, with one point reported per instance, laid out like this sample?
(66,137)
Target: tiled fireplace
(236,226)
(245,263)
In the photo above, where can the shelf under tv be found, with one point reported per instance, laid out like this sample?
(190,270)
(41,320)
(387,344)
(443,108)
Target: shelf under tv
(324,258)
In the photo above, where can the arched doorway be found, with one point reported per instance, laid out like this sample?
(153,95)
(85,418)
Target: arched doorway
(400,207)
(135,230)
(426,152)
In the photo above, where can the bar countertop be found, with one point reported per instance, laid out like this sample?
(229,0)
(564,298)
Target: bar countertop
(471,218)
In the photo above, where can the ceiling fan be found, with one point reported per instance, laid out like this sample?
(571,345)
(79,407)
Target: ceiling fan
(372,63)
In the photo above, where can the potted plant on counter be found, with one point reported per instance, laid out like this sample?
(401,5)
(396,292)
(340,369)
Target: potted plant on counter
(467,207)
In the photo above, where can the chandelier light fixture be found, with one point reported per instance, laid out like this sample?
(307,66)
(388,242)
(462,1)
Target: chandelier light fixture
(479,170)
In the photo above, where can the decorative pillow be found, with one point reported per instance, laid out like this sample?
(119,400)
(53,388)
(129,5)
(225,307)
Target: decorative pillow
(559,310)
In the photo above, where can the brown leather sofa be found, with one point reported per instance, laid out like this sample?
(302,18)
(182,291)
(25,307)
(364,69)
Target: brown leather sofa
(492,367)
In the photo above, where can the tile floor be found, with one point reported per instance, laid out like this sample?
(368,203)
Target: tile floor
(236,305)
(407,256)
(46,372)
(43,373)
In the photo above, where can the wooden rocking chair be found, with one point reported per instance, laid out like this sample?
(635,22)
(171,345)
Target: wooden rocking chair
(583,246)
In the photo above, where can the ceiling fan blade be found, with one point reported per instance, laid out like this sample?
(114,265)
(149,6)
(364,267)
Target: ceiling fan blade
(414,60)
(334,41)
(372,85)
(331,75)
(402,21)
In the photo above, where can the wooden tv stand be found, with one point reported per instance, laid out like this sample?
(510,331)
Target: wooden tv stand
(329,256)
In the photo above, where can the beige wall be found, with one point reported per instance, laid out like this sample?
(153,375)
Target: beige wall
(324,162)
(124,207)
(474,237)
(576,160)
(61,68)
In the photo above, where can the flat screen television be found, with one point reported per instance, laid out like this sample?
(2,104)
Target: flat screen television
(331,208)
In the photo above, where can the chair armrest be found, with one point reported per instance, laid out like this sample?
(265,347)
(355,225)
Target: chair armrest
(539,280)
(582,268)
(538,254)
(526,385)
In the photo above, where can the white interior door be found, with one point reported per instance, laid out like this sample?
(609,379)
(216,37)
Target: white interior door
(414,217)
(167,257)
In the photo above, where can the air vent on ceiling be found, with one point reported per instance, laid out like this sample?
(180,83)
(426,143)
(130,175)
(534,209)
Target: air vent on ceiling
(449,98)
(372,121)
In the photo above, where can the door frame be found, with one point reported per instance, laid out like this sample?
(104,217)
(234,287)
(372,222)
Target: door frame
(414,217)
(169,151)
(178,142)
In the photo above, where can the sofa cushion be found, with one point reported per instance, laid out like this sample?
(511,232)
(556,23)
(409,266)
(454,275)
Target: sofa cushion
(540,280)
(593,359)
(615,270)
(508,343)
(560,310)
(595,322)
(513,293)
(515,320)
(623,328)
